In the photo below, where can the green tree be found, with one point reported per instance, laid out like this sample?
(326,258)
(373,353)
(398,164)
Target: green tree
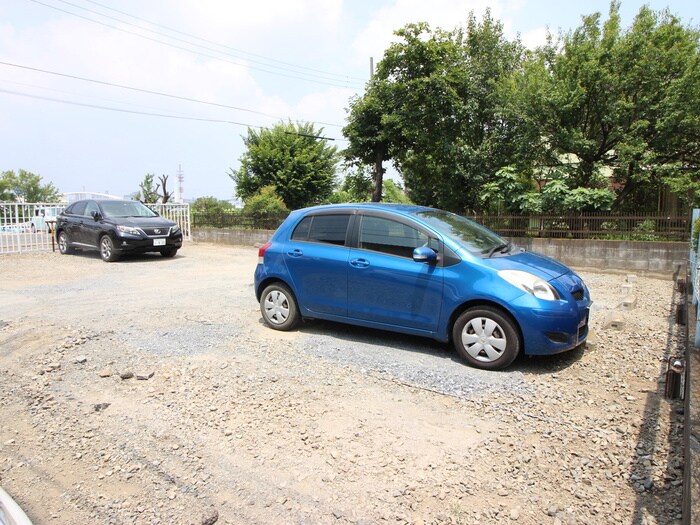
(265,203)
(393,192)
(26,186)
(147,191)
(210,206)
(291,157)
(435,108)
(625,100)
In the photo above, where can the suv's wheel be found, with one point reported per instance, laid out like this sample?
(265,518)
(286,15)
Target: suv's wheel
(486,338)
(170,252)
(107,249)
(64,243)
(278,307)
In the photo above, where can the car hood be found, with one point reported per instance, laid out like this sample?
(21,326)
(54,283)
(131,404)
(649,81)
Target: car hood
(531,262)
(142,222)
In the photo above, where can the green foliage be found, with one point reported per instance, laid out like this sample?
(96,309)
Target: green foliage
(433,107)
(610,108)
(210,206)
(147,191)
(26,186)
(357,187)
(291,158)
(393,192)
(265,203)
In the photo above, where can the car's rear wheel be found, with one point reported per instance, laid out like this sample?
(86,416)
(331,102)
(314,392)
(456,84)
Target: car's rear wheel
(107,251)
(170,252)
(278,307)
(64,243)
(486,338)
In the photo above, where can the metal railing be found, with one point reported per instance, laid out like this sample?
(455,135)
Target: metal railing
(605,226)
(236,219)
(28,227)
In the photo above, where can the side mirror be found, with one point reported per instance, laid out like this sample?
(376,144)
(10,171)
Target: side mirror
(96,215)
(423,254)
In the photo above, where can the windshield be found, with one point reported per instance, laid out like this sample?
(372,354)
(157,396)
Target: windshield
(126,209)
(466,233)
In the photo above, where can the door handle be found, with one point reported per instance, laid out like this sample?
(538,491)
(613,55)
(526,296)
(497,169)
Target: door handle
(295,253)
(359,263)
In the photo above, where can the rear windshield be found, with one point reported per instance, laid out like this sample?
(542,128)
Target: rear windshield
(466,233)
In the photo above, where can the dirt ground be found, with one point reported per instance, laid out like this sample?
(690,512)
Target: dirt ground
(149,392)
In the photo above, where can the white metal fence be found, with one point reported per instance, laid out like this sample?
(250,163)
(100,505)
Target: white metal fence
(28,227)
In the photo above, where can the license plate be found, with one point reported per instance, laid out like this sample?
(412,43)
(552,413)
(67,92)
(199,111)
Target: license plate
(158,242)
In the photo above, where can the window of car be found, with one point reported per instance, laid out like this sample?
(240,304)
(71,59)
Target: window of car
(77,208)
(327,229)
(91,208)
(126,209)
(392,237)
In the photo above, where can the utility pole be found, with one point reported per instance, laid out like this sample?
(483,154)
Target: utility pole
(179,197)
(371,68)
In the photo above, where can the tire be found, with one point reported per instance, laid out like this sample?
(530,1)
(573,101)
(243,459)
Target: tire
(279,307)
(107,251)
(486,338)
(64,244)
(170,252)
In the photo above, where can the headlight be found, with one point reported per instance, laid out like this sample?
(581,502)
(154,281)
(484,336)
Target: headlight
(128,230)
(174,229)
(530,284)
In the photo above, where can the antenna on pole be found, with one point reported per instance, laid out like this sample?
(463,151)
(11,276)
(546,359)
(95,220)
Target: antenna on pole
(180,182)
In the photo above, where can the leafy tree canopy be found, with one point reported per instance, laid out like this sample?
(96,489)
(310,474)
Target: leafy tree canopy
(26,186)
(609,108)
(210,206)
(265,203)
(291,157)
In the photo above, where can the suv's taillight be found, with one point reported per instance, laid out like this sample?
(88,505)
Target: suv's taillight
(261,252)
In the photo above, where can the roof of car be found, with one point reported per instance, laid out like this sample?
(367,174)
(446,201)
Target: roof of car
(389,206)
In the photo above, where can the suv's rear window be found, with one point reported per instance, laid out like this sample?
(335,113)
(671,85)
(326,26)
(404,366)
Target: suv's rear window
(329,229)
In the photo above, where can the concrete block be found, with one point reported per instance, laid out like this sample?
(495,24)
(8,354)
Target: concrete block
(631,278)
(627,289)
(629,302)
(614,321)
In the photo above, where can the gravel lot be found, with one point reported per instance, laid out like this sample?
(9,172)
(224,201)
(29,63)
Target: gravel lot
(149,392)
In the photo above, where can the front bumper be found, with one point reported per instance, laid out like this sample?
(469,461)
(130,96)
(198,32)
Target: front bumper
(125,243)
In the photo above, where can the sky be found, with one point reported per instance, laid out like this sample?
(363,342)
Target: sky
(95,94)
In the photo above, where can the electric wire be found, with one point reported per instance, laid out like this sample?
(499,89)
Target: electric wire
(146,113)
(201,39)
(152,92)
(181,48)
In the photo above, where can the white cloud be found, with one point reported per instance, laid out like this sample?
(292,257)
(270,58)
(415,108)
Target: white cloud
(446,14)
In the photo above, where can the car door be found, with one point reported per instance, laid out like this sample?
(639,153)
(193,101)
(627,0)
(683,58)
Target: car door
(73,221)
(385,284)
(90,227)
(317,261)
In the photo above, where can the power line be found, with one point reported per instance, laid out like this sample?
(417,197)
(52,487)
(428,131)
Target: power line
(148,91)
(155,24)
(142,113)
(181,48)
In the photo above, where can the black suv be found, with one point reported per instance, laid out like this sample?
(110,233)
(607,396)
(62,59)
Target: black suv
(116,227)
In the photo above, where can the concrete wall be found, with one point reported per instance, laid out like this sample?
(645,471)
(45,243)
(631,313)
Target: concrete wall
(634,256)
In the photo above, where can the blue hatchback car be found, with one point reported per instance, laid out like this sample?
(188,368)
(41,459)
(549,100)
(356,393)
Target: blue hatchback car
(420,271)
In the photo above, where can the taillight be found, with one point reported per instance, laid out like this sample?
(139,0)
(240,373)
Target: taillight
(261,252)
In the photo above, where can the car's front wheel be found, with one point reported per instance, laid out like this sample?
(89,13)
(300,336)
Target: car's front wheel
(64,243)
(107,251)
(486,338)
(278,307)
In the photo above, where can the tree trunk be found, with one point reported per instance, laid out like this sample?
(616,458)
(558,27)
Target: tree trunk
(378,175)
